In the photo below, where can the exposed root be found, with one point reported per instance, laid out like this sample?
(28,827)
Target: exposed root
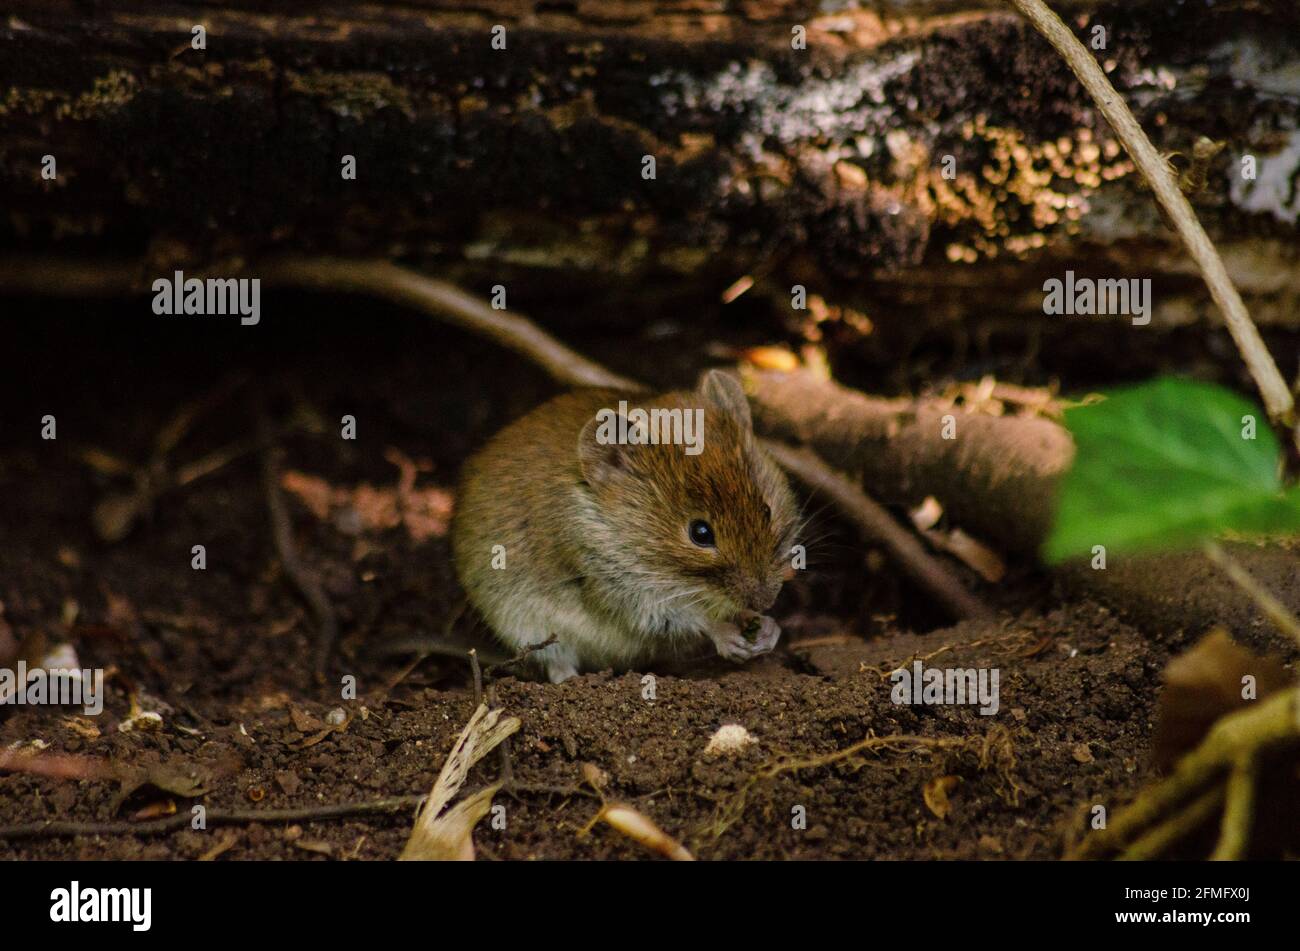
(446,833)
(996,476)
(1013,643)
(1222,770)
(214,817)
(1270,606)
(992,750)
(392,282)
(877,524)
(294,569)
(383,279)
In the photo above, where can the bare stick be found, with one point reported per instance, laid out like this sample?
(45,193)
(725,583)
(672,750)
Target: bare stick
(478,677)
(1177,827)
(1273,609)
(878,524)
(393,282)
(1238,810)
(282,534)
(1269,723)
(492,671)
(373,277)
(402,286)
(1277,396)
(46,830)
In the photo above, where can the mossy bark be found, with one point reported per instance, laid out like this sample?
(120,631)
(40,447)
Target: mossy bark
(824,166)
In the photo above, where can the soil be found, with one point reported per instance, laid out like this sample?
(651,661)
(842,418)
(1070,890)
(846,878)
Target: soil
(224,654)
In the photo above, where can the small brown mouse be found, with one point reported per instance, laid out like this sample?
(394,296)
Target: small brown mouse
(628,527)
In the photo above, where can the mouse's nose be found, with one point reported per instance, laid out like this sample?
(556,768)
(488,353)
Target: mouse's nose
(759,594)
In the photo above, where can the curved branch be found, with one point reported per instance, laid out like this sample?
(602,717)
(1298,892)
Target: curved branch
(1277,396)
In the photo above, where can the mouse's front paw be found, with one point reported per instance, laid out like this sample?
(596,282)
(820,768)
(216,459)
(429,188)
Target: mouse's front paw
(755,634)
(765,635)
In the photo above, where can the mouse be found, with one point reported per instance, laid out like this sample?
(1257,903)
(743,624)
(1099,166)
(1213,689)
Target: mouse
(618,529)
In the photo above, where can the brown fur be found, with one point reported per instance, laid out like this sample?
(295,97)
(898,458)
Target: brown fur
(595,536)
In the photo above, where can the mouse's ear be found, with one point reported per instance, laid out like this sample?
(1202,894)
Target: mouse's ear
(605,446)
(724,391)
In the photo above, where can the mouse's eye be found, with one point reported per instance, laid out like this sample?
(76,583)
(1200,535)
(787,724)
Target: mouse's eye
(701,532)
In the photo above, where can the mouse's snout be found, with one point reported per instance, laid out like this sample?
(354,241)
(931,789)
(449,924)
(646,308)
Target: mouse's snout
(758,594)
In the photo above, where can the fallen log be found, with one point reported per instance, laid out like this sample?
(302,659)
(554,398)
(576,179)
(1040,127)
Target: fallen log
(820,162)
(996,476)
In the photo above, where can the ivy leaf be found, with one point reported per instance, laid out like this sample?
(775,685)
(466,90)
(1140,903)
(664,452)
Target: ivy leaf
(1166,464)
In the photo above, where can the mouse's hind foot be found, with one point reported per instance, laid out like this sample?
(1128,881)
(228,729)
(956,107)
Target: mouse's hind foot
(559,661)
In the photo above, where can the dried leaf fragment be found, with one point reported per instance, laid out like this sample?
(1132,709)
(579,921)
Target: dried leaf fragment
(642,829)
(439,836)
(1205,683)
(936,792)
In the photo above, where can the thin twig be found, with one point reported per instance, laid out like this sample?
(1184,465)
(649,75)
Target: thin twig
(212,462)
(1273,609)
(503,751)
(877,524)
(1238,810)
(1180,825)
(343,810)
(478,676)
(392,282)
(1272,387)
(401,675)
(492,669)
(373,277)
(380,278)
(1252,730)
(282,534)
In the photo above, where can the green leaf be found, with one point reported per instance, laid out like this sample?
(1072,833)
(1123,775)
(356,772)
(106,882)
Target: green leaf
(1165,464)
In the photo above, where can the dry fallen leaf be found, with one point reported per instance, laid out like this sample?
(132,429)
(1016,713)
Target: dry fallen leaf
(439,835)
(1202,685)
(225,845)
(305,722)
(83,727)
(315,845)
(973,553)
(424,513)
(155,810)
(145,721)
(640,828)
(936,792)
(771,358)
(178,777)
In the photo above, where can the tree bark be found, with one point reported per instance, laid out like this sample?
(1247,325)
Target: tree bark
(823,166)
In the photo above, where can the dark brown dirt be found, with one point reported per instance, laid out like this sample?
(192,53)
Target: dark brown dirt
(224,653)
